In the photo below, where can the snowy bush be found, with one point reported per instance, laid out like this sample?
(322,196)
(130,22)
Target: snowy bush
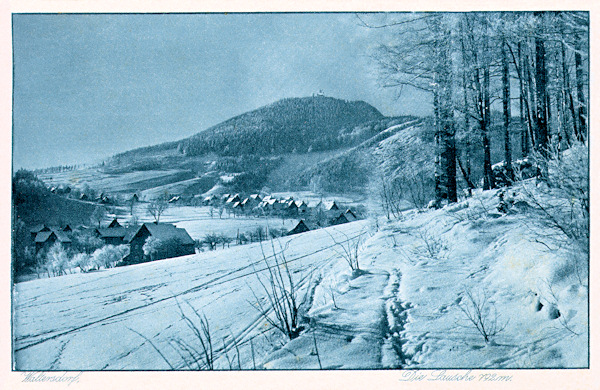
(151,247)
(108,256)
(560,206)
(81,260)
(433,245)
(57,260)
(85,241)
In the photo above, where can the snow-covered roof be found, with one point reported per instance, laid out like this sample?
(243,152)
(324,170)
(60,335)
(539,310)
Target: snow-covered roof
(162,231)
(45,236)
(114,232)
(331,206)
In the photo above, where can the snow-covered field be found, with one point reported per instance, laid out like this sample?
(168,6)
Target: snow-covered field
(113,183)
(198,221)
(89,321)
(422,278)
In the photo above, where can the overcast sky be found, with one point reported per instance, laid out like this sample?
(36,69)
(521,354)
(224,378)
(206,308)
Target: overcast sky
(89,86)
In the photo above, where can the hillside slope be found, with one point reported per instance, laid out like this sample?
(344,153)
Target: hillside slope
(406,308)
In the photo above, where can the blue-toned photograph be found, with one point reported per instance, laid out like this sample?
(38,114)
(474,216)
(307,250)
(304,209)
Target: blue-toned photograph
(300,191)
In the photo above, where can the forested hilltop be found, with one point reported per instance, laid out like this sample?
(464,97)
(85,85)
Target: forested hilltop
(314,123)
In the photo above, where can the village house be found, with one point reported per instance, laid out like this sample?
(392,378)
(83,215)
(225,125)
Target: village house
(251,202)
(339,220)
(225,197)
(237,208)
(350,216)
(331,206)
(233,199)
(291,208)
(112,236)
(37,229)
(299,228)
(114,224)
(211,200)
(255,197)
(302,206)
(162,231)
(45,239)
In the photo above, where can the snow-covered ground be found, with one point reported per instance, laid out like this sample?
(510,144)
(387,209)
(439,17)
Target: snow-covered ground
(198,222)
(407,307)
(124,182)
(89,321)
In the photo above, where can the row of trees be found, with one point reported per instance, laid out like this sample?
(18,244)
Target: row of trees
(473,62)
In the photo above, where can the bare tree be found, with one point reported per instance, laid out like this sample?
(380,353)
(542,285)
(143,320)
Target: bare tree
(156,208)
(422,59)
(98,215)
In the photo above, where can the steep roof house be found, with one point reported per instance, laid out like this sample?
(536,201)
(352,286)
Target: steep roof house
(339,220)
(45,239)
(350,216)
(112,236)
(38,228)
(233,199)
(331,206)
(162,231)
(299,228)
(114,224)
(302,206)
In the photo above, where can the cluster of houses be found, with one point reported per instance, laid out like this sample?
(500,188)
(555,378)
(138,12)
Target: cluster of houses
(44,237)
(116,234)
(318,215)
(256,205)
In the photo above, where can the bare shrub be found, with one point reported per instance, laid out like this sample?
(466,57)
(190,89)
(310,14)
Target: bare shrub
(200,356)
(565,206)
(408,187)
(432,244)
(349,249)
(481,314)
(390,195)
(281,292)
(559,206)
(193,356)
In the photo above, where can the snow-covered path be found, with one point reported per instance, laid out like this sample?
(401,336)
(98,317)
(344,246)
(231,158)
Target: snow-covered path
(90,321)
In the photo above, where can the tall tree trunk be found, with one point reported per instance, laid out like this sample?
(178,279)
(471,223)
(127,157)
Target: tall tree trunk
(541,83)
(438,191)
(467,126)
(522,100)
(445,139)
(566,96)
(581,105)
(531,101)
(488,175)
(506,111)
